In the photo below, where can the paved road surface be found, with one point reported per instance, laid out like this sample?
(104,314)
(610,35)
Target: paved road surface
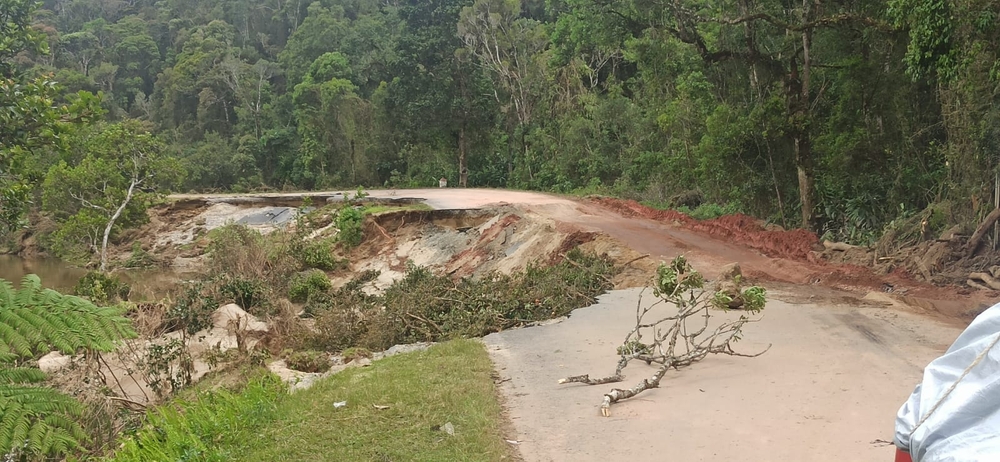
(827,390)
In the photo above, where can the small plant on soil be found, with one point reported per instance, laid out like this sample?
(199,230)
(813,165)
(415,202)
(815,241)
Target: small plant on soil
(168,367)
(670,341)
(305,284)
(308,361)
(250,294)
(193,309)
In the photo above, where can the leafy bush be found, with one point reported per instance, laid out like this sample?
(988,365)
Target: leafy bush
(249,294)
(304,285)
(102,288)
(349,222)
(308,361)
(318,255)
(193,309)
(199,430)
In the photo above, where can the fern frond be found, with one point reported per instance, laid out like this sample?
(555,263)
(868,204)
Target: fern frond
(38,421)
(34,319)
(20,375)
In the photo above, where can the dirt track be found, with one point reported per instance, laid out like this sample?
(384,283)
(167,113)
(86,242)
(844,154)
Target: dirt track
(838,370)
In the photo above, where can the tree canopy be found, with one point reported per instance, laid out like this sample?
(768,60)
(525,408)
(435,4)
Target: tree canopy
(836,116)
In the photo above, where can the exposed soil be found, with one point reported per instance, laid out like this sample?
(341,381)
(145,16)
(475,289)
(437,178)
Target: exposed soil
(850,329)
(476,231)
(928,275)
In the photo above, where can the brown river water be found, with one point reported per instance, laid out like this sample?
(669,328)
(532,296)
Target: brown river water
(54,273)
(147,284)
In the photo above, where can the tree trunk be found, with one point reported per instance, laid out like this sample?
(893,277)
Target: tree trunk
(111,223)
(463,170)
(800,113)
(803,153)
(981,231)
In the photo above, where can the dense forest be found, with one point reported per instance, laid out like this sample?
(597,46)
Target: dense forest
(839,116)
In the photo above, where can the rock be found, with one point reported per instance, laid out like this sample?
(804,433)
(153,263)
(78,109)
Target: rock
(232,315)
(54,362)
(730,272)
(400,349)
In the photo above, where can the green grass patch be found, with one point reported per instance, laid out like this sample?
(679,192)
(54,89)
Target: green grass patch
(450,382)
(208,428)
(375,209)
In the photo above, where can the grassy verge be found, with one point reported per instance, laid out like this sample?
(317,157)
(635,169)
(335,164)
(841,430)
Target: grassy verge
(450,382)
(376,209)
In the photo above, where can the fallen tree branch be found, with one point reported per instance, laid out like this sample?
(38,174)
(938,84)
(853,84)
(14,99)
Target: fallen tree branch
(635,260)
(570,261)
(838,246)
(973,245)
(986,279)
(976,285)
(128,401)
(675,343)
(426,321)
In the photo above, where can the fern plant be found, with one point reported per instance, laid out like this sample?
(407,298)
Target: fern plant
(37,421)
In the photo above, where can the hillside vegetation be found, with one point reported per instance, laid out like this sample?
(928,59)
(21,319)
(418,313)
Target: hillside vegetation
(834,116)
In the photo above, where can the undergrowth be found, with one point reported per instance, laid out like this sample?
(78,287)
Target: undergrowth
(102,288)
(208,428)
(423,306)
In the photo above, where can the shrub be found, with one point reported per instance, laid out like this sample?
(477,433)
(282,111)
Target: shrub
(193,309)
(101,288)
(318,255)
(249,294)
(303,285)
(242,253)
(349,221)
(308,361)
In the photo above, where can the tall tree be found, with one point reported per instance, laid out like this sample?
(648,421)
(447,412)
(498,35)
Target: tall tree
(33,114)
(510,48)
(123,168)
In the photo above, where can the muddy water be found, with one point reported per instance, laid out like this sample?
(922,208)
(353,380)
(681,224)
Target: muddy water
(147,284)
(54,273)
